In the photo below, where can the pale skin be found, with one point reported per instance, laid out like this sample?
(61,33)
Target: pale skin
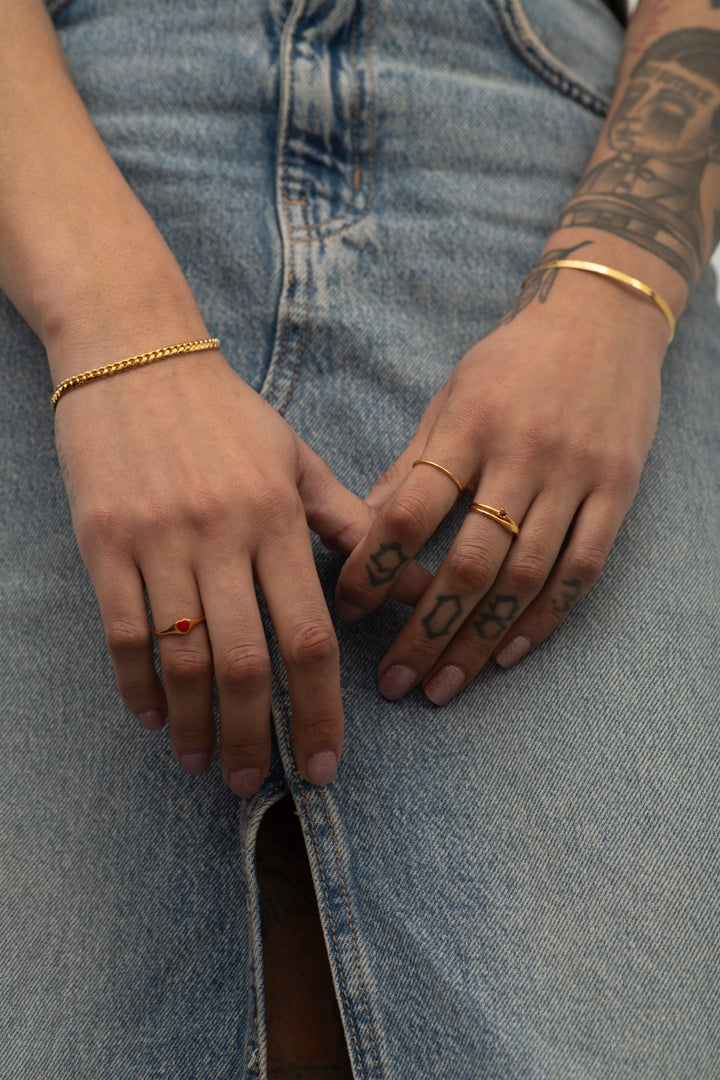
(550,417)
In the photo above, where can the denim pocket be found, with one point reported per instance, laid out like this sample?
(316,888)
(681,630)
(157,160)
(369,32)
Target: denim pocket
(572,45)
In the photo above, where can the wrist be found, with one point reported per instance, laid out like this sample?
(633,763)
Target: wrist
(95,318)
(593,245)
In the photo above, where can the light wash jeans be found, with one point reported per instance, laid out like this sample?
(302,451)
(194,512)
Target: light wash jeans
(522,885)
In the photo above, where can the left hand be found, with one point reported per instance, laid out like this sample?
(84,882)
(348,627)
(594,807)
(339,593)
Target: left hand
(549,418)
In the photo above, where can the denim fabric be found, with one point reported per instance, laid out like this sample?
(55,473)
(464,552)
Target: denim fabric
(521,885)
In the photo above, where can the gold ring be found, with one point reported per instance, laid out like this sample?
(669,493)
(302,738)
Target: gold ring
(442,469)
(180,626)
(501,516)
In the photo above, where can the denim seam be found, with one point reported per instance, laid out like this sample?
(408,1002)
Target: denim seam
(529,48)
(355,216)
(336,949)
(300,349)
(251,1069)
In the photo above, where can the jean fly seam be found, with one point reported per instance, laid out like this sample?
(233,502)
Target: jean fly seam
(300,348)
(336,949)
(356,951)
(527,46)
(355,216)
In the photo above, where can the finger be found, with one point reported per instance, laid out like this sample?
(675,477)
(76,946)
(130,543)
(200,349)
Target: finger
(242,673)
(121,599)
(398,532)
(341,520)
(523,575)
(467,574)
(577,570)
(287,576)
(186,664)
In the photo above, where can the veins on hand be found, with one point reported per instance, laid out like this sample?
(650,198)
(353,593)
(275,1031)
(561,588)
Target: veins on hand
(385,563)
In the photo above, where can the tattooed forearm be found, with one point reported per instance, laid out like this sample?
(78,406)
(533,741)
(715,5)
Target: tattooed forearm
(385,563)
(497,618)
(440,621)
(539,285)
(664,134)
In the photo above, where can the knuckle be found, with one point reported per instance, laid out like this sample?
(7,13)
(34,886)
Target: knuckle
(187,665)
(276,505)
(244,748)
(126,637)
(468,566)
(320,731)
(527,573)
(312,643)
(407,518)
(586,564)
(623,473)
(244,664)
(98,526)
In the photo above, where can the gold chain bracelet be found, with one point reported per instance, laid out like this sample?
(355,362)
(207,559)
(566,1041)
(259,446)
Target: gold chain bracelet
(134,361)
(616,275)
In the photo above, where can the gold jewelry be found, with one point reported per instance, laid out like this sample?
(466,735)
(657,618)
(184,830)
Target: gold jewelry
(180,626)
(616,275)
(134,361)
(442,469)
(501,516)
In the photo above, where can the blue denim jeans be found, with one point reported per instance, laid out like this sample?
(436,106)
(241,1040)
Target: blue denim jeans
(521,885)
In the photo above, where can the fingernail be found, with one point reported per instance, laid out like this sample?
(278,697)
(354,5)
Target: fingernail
(246,782)
(348,612)
(195,763)
(445,684)
(514,650)
(322,767)
(152,719)
(396,681)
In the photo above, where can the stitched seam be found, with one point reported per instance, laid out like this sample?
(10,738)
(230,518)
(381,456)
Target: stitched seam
(322,225)
(253,1042)
(352,930)
(303,336)
(525,47)
(301,787)
(324,882)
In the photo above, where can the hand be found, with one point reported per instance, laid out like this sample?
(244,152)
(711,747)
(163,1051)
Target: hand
(183,482)
(549,418)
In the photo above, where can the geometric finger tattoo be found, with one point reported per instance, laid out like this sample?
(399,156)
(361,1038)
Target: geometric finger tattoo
(498,617)
(386,562)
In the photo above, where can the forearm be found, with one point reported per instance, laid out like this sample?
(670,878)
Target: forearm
(649,201)
(79,256)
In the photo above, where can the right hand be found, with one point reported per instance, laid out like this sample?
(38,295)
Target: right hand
(184,483)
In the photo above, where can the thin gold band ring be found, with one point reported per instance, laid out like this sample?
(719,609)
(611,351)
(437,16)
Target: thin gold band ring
(180,626)
(501,516)
(442,469)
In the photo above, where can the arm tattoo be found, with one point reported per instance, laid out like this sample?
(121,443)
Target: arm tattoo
(385,563)
(539,285)
(442,618)
(498,617)
(664,134)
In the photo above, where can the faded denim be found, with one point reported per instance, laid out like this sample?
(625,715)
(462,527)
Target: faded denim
(520,886)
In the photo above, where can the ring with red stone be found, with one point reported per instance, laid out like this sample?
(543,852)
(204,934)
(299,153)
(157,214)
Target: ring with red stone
(501,516)
(180,626)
